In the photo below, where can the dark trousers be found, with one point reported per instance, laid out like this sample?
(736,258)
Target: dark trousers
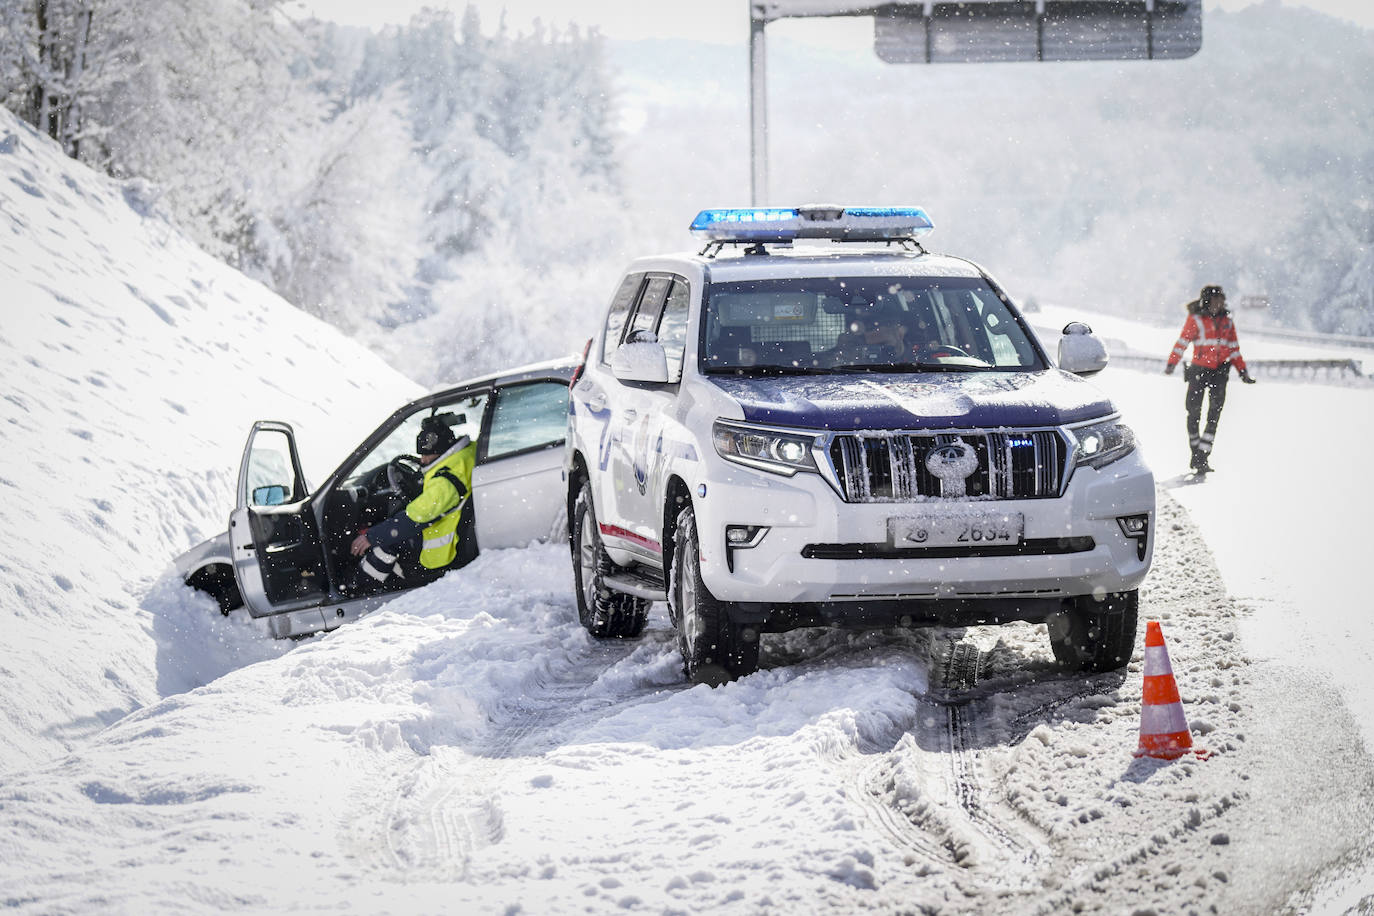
(1208,384)
(390,559)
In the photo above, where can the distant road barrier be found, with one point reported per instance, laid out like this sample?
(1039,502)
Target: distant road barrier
(1307,368)
(1316,337)
(1347,370)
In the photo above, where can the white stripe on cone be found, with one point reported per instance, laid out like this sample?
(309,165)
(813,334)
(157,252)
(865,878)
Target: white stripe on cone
(1166,719)
(1157,660)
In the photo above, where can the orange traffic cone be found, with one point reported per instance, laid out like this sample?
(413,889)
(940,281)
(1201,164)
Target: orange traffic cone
(1163,729)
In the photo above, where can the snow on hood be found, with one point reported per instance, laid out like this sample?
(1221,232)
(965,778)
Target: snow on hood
(927,400)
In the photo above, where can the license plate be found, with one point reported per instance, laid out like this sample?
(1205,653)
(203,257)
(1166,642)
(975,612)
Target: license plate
(964,530)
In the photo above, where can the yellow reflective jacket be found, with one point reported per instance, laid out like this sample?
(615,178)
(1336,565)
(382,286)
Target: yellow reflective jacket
(447,487)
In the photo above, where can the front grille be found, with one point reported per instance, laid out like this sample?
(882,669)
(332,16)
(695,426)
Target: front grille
(887,467)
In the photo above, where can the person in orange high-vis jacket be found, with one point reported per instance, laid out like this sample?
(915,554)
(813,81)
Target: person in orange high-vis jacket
(1215,350)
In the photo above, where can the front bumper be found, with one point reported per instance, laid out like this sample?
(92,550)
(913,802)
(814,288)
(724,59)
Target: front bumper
(821,551)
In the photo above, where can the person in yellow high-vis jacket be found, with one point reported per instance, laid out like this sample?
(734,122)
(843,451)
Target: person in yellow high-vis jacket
(427,527)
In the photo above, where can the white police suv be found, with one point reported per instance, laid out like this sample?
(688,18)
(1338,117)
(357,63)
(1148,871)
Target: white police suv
(815,422)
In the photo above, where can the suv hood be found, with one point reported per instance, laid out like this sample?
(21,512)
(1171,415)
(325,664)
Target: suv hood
(938,400)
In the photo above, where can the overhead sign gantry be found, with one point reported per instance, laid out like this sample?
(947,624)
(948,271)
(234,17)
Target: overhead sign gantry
(981,31)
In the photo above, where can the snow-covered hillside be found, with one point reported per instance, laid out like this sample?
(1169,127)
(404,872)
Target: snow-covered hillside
(468,748)
(131,367)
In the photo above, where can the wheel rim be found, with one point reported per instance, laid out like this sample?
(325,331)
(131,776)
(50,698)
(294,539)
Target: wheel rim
(586,559)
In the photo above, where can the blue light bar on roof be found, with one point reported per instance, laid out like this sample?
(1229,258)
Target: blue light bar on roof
(783,224)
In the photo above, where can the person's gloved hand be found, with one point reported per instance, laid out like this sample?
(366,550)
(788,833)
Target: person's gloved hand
(1247,378)
(1169,369)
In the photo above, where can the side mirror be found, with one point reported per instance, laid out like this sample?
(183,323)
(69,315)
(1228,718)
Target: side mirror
(273,495)
(640,361)
(1080,352)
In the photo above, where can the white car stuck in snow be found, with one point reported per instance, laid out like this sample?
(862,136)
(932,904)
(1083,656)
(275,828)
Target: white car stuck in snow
(772,434)
(286,550)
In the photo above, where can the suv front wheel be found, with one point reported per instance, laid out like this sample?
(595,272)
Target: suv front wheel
(605,613)
(714,648)
(1096,635)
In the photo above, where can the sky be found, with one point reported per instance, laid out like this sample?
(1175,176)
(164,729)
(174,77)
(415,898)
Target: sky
(719,21)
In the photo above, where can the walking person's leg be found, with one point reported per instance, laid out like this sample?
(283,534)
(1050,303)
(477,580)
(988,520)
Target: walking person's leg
(1192,402)
(1216,400)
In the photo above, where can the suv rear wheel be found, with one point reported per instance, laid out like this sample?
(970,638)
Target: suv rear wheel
(1096,635)
(605,613)
(714,648)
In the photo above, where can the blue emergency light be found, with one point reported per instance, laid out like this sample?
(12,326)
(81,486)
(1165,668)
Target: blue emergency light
(784,224)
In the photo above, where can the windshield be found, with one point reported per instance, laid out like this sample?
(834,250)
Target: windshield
(839,324)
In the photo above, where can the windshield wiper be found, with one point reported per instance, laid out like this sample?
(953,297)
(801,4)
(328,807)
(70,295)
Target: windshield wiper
(768,370)
(908,367)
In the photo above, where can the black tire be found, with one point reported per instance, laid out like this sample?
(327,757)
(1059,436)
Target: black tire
(217,581)
(714,648)
(606,614)
(1096,635)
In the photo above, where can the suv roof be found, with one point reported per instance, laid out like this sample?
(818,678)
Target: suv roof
(816,260)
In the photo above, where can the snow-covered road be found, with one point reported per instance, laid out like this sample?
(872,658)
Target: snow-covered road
(470,748)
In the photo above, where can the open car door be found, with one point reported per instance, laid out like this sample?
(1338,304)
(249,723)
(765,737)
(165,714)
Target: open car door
(518,482)
(273,536)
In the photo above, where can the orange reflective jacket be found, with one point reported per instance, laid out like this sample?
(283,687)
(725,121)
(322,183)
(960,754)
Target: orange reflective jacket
(1213,339)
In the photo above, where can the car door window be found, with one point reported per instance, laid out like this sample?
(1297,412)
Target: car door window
(528,416)
(672,327)
(620,310)
(401,440)
(271,478)
(646,316)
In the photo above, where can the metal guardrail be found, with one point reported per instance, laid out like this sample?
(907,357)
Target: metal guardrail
(1345,370)
(1308,368)
(1313,337)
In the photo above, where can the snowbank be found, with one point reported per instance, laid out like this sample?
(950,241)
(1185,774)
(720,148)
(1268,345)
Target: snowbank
(131,366)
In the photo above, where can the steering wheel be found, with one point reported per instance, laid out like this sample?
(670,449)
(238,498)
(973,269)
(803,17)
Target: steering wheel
(877,353)
(405,476)
(940,351)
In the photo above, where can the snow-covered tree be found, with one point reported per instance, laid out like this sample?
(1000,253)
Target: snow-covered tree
(344,244)
(58,59)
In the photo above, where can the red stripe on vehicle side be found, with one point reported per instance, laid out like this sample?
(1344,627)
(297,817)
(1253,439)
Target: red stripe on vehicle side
(625,534)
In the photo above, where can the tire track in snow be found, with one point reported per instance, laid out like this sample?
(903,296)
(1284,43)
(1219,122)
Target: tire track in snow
(954,814)
(446,806)
(964,666)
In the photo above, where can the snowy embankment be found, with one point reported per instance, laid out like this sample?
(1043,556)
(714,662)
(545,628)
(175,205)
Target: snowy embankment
(468,748)
(131,366)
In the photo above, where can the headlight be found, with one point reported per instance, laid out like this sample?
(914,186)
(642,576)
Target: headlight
(1102,443)
(765,449)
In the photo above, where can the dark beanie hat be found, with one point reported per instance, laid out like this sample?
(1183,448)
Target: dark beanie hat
(435,437)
